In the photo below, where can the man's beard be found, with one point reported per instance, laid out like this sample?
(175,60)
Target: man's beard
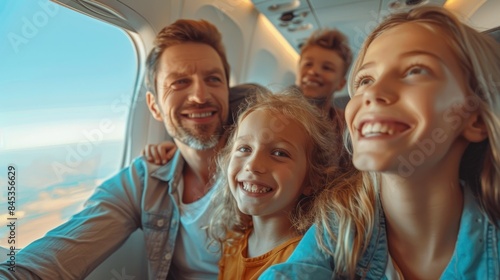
(198,138)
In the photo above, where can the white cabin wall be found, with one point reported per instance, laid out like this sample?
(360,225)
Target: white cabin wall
(486,16)
(272,61)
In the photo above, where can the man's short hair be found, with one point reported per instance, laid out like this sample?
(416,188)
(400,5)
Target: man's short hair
(330,39)
(180,32)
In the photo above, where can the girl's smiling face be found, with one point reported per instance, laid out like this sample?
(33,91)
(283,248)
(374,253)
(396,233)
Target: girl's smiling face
(409,102)
(268,163)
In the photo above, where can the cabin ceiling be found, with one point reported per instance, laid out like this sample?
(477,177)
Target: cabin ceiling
(297,19)
(294,19)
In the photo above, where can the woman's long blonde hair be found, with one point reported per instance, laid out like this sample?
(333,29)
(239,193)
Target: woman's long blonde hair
(321,168)
(354,204)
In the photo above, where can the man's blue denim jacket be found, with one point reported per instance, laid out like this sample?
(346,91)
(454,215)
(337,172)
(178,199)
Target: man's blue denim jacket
(476,254)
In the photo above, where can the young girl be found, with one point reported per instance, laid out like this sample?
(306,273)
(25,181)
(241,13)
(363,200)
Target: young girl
(277,158)
(423,121)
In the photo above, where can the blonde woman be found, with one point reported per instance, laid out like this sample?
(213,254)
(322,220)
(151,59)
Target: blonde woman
(423,122)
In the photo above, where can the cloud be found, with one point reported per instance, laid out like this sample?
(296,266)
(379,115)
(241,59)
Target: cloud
(52,207)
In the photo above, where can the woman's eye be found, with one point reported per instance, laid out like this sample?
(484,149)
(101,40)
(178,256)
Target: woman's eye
(417,70)
(365,81)
(362,81)
(280,153)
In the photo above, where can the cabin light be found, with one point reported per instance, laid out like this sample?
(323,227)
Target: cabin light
(464,7)
(281,7)
(279,36)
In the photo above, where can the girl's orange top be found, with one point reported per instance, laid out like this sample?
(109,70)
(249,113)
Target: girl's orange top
(238,266)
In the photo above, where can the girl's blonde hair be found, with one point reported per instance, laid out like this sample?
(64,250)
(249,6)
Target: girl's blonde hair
(355,206)
(228,224)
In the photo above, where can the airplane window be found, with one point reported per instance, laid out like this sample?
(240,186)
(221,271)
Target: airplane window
(65,84)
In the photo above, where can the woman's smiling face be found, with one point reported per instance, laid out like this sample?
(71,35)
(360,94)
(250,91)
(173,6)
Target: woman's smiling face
(408,101)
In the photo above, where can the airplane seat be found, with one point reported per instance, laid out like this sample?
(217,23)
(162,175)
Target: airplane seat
(341,101)
(238,93)
(495,33)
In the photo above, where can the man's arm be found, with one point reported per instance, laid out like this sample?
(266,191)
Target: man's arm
(75,248)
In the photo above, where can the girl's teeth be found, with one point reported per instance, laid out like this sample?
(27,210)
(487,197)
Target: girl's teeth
(255,189)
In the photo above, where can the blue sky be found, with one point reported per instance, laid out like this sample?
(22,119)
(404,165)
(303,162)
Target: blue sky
(53,59)
(49,52)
